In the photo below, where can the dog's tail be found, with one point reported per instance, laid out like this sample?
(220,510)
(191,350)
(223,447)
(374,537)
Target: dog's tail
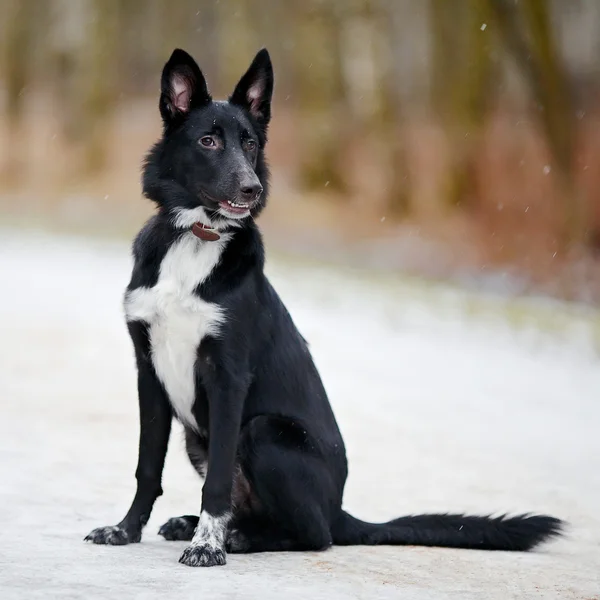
(521,532)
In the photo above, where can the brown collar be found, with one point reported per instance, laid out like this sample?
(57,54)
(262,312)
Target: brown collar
(204,232)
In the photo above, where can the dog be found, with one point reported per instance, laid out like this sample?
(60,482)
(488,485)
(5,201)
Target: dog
(216,348)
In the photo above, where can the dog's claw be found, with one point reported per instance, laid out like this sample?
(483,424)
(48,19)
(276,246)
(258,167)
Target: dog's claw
(202,556)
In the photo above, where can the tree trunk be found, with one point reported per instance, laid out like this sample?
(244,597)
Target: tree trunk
(99,79)
(461,76)
(319,95)
(388,118)
(17,48)
(527,33)
(236,22)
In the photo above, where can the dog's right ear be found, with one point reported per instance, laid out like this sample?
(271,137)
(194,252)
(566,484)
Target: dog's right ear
(183,87)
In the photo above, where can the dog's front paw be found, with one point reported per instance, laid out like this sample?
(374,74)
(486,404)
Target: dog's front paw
(202,555)
(112,536)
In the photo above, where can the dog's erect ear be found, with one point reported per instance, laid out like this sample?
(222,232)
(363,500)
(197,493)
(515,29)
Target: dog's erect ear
(183,87)
(255,89)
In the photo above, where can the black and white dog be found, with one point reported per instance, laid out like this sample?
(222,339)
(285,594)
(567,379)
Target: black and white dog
(216,348)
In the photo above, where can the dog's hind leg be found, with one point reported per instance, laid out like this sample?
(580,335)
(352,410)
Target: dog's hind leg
(291,486)
(183,528)
(196,447)
(259,534)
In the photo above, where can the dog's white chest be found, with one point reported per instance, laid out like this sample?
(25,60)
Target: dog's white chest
(178,319)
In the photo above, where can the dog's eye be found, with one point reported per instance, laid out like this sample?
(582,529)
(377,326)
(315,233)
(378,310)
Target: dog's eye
(250,145)
(208,141)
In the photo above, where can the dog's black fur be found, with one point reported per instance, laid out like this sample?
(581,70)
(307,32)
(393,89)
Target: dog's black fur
(276,459)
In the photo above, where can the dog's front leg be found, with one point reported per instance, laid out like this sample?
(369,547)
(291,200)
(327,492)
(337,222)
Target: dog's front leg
(155,428)
(225,405)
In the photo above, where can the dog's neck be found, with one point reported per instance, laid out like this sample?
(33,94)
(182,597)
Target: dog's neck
(199,223)
(205,232)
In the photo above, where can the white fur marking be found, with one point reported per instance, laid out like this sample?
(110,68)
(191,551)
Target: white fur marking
(178,318)
(184,218)
(211,531)
(230,215)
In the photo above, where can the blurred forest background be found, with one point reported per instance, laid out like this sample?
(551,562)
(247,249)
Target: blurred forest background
(454,139)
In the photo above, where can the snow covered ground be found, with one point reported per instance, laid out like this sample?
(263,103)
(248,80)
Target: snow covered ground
(443,407)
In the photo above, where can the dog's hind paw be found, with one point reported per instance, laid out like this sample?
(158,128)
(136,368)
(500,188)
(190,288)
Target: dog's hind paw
(179,529)
(201,555)
(237,542)
(111,536)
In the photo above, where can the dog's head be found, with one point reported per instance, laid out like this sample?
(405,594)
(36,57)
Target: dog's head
(211,156)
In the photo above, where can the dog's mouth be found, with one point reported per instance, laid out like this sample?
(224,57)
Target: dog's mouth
(230,208)
(235,209)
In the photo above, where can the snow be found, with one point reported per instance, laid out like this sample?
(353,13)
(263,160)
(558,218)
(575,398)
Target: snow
(442,408)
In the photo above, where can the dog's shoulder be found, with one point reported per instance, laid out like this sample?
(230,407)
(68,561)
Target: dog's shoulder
(245,246)
(149,248)
(150,237)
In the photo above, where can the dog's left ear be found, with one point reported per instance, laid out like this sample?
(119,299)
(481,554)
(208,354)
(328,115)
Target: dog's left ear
(255,89)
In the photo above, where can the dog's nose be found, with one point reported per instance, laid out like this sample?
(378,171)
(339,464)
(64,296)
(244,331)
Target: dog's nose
(251,191)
